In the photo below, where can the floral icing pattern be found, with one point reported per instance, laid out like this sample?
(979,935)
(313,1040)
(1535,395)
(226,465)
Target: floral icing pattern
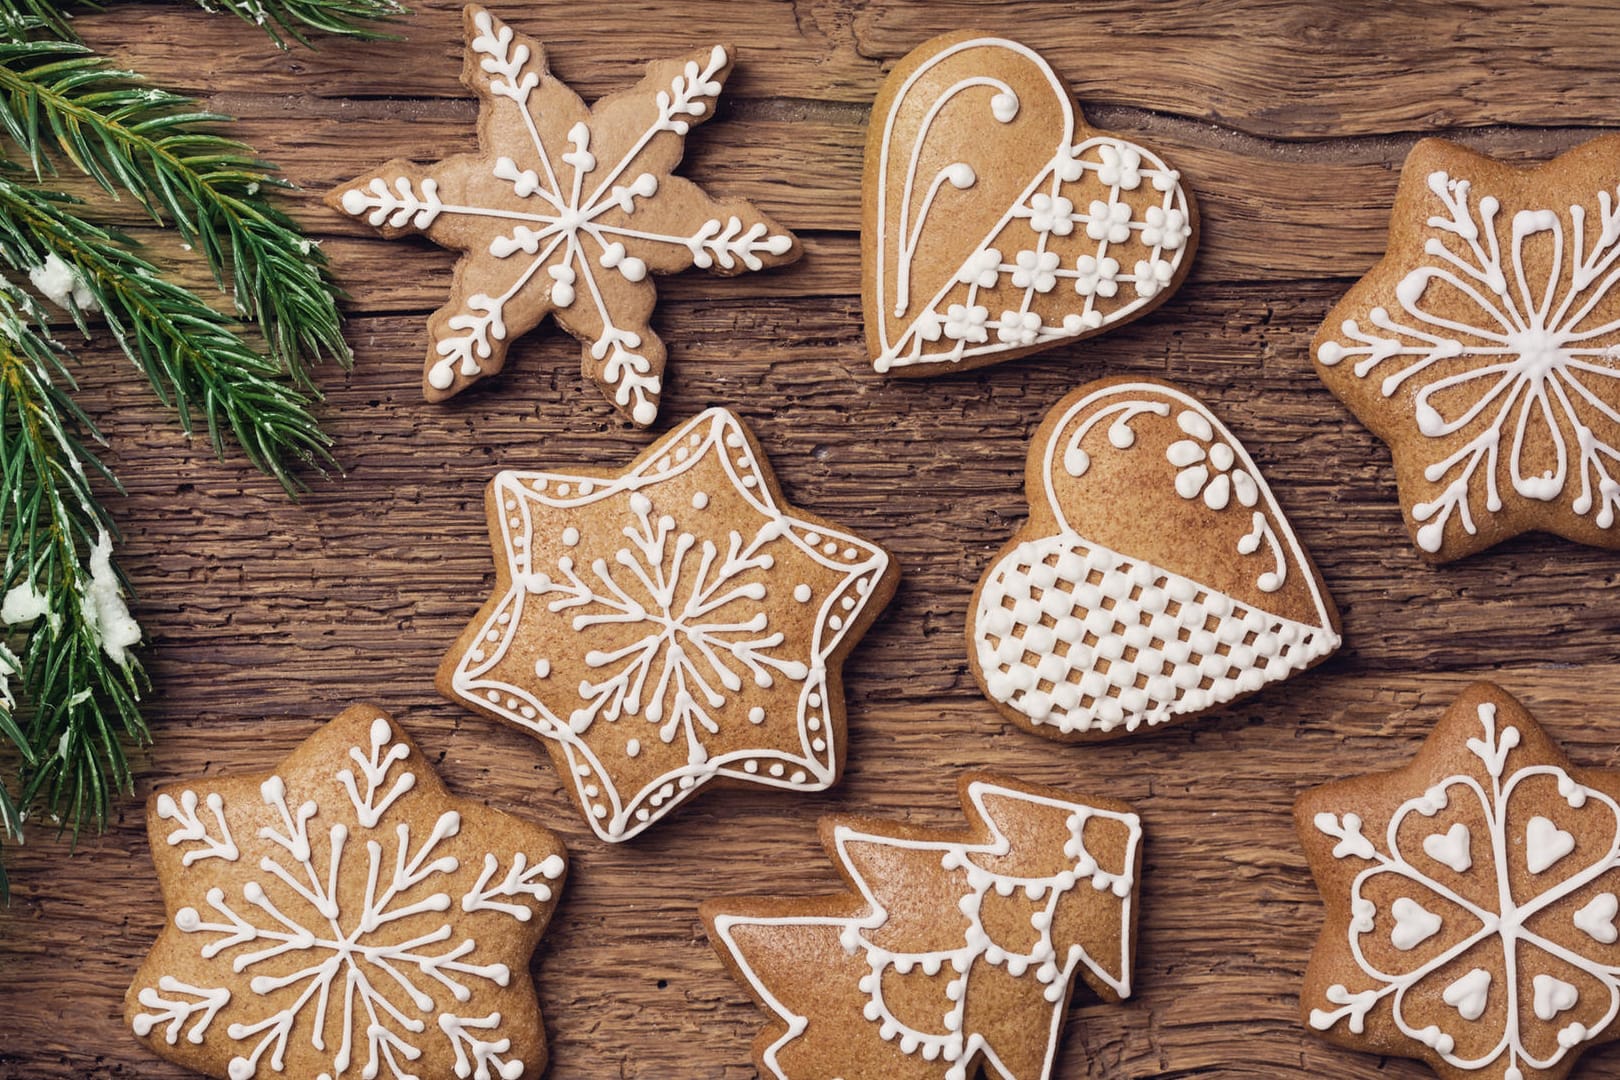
(1071,883)
(567,211)
(1500,863)
(1495,359)
(669,626)
(1099,229)
(326,935)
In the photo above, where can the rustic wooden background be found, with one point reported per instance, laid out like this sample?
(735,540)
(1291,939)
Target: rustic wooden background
(264,618)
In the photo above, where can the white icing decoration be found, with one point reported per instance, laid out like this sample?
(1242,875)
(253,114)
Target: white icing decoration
(1050,577)
(521,880)
(945,329)
(1414,924)
(1450,848)
(1553,996)
(1596,919)
(1469,994)
(1044,961)
(686,604)
(1544,844)
(1507,920)
(318,958)
(192,827)
(1531,371)
(177,1013)
(572,228)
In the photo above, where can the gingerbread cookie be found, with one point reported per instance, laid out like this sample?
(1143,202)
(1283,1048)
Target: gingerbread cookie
(1484,347)
(1471,901)
(566,211)
(1156,577)
(345,916)
(955,949)
(996,222)
(668,625)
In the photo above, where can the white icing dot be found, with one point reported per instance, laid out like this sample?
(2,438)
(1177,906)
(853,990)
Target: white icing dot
(542,668)
(751,766)
(829,547)
(599,811)
(632,748)
(570,536)
(777,769)
(801,593)
(562,489)
(700,499)
(756,715)
(814,700)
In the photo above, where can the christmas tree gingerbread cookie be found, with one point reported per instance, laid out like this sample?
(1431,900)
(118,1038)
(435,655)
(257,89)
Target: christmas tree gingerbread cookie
(669,625)
(344,915)
(1156,577)
(566,210)
(997,222)
(954,949)
(1484,347)
(1471,901)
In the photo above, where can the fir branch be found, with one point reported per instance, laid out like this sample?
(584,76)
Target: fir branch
(186,349)
(83,692)
(158,146)
(283,19)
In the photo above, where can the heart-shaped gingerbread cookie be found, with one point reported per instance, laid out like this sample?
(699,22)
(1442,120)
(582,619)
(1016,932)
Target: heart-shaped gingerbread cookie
(996,222)
(1156,577)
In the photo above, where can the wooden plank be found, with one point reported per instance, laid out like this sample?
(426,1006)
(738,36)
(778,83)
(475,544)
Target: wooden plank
(1265,67)
(265,618)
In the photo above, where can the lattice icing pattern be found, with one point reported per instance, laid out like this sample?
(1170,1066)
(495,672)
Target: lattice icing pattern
(1078,636)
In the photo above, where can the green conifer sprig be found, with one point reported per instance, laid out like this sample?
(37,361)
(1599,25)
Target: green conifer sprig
(82,703)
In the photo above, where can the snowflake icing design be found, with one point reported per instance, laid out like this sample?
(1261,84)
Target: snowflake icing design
(1084,858)
(1508,867)
(1096,205)
(566,211)
(669,626)
(1522,390)
(350,946)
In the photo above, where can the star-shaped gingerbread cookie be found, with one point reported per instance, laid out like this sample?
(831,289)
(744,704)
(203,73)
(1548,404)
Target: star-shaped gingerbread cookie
(1471,901)
(1485,347)
(566,210)
(344,915)
(669,625)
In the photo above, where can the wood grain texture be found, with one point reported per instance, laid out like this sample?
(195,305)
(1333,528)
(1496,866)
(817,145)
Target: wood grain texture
(265,618)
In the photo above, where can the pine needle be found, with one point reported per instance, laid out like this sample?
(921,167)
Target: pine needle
(83,703)
(60,99)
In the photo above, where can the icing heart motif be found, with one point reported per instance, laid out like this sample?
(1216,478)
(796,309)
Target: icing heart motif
(1544,844)
(1553,996)
(1469,993)
(1414,924)
(997,222)
(1156,578)
(1450,848)
(1596,919)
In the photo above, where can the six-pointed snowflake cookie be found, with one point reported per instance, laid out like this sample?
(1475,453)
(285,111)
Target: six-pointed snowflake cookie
(1471,901)
(566,210)
(1155,579)
(1485,347)
(344,916)
(669,625)
(956,950)
(997,222)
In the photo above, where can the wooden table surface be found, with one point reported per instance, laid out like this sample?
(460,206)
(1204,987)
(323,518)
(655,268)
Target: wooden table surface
(264,618)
